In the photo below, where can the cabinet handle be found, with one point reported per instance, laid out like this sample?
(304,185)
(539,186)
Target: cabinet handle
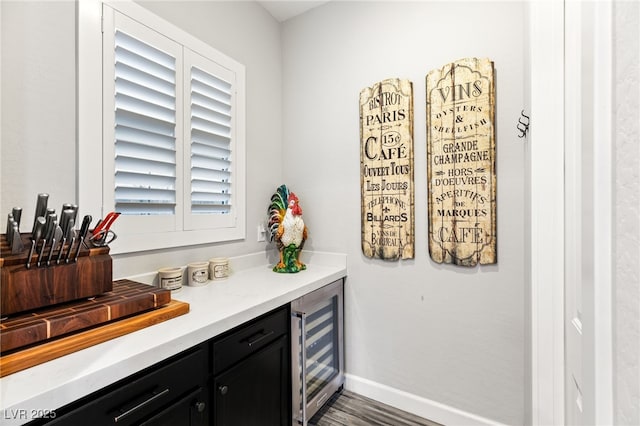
(302,316)
(200,406)
(224,390)
(261,335)
(139,406)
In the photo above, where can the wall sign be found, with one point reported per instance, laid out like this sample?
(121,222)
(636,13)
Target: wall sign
(386,170)
(462,163)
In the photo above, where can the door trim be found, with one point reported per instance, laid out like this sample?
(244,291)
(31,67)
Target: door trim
(603,214)
(546,221)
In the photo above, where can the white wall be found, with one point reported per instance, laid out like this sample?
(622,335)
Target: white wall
(38,105)
(626,297)
(447,334)
(39,109)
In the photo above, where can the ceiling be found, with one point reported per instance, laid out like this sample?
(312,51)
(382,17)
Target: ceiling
(286,9)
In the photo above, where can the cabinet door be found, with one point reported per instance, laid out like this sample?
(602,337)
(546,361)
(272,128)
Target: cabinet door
(255,392)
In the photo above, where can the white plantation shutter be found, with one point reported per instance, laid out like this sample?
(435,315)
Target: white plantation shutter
(173,134)
(210,143)
(145,128)
(210,121)
(142,146)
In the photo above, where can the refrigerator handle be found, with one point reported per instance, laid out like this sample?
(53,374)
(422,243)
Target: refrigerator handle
(303,361)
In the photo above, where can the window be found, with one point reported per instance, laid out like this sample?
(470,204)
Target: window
(173,134)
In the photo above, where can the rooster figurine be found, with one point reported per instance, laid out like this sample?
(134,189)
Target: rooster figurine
(287,228)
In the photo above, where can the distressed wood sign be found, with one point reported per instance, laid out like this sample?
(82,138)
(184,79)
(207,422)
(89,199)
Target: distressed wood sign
(386,170)
(461,158)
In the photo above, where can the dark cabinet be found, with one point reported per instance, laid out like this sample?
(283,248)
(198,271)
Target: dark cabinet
(242,378)
(251,384)
(173,392)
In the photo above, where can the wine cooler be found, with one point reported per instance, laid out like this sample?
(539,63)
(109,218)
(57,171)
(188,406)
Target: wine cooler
(317,349)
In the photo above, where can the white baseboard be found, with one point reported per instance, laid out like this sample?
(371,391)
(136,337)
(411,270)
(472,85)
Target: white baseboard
(410,403)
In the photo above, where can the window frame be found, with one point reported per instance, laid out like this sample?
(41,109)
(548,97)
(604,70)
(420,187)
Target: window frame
(91,160)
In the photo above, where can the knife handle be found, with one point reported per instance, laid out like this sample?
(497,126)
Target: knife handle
(35,238)
(9,227)
(74,207)
(33,246)
(66,221)
(68,258)
(17,215)
(84,229)
(41,209)
(62,243)
(67,206)
(44,243)
(67,233)
(16,240)
(39,229)
(53,245)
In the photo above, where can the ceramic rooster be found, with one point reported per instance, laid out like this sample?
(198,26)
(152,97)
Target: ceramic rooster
(287,229)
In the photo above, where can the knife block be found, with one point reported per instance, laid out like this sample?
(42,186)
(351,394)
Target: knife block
(25,289)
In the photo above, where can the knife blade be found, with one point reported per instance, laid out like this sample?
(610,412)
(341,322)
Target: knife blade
(41,209)
(84,229)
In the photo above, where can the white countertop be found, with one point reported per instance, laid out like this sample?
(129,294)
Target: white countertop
(251,290)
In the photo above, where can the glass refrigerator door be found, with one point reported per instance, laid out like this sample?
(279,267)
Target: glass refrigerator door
(321,347)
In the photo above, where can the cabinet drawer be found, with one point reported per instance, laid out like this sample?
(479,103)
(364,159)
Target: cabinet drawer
(247,339)
(135,399)
(190,410)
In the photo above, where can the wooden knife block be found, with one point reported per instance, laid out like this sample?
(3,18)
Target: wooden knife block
(23,289)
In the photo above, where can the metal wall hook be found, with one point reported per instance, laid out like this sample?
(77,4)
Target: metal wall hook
(523,127)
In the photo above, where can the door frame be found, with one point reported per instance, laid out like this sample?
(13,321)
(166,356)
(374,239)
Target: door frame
(546,223)
(603,211)
(545,146)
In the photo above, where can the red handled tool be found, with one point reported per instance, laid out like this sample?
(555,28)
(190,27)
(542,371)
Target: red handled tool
(102,230)
(104,225)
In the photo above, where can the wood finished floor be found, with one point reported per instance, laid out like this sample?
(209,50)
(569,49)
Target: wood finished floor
(349,409)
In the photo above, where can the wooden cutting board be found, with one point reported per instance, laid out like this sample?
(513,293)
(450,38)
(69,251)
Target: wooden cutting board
(31,339)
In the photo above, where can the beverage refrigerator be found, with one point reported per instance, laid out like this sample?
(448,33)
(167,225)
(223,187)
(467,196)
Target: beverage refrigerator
(317,356)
